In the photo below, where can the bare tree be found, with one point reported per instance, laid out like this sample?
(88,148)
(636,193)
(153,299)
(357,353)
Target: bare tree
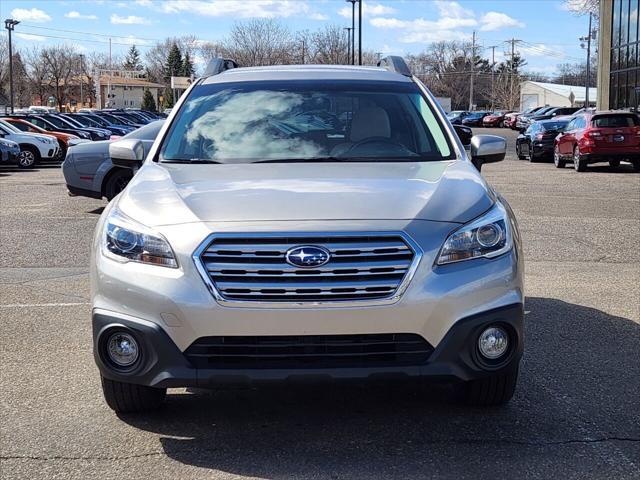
(37,74)
(259,42)
(581,7)
(330,45)
(61,64)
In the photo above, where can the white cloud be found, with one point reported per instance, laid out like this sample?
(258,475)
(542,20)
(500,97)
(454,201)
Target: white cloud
(144,3)
(80,16)
(132,40)
(30,37)
(318,16)
(421,30)
(34,15)
(129,20)
(492,21)
(370,9)
(237,8)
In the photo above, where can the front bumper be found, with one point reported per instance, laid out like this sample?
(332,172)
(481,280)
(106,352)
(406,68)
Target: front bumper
(163,364)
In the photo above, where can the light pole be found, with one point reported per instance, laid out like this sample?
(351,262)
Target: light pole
(348,30)
(10,24)
(359,32)
(353,30)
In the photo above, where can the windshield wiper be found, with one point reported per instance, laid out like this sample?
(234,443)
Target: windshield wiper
(187,160)
(304,160)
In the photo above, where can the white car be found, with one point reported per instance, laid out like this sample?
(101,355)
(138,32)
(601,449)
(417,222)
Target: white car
(34,147)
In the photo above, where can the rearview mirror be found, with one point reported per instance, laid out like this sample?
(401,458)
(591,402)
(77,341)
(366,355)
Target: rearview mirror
(127,153)
(487,149)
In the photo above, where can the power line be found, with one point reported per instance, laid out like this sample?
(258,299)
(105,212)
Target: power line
(85,40)
(87,33)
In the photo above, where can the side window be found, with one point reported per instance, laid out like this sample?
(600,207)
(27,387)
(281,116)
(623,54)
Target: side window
(570,126)
(581,123)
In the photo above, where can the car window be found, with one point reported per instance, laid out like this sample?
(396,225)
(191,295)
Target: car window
(148,132)
(8,127)
(248,122)
(615,121)
(554,126)
(20,126)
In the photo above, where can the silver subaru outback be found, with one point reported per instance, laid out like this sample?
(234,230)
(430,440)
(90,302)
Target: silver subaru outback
(306,223)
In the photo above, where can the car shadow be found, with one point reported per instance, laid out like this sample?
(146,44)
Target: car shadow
(97,211)
(579,382)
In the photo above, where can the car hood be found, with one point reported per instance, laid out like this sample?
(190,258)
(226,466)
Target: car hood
(26,136)
(167,194)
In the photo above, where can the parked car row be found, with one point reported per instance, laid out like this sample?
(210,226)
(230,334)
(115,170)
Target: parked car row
(584,138)
(479,118)
(64,130)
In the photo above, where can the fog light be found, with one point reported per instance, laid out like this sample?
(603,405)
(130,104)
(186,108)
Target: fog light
(122,349)
(493,342)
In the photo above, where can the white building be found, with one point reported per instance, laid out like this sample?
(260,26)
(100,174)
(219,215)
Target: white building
(123,92)
(538,94)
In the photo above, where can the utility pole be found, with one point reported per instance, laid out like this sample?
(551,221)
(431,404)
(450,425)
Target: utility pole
(109,80)
(588,40)
(348,45)
(493,68)
(473,61)
(359,32)
(512,72)
(10,24)
(81,79)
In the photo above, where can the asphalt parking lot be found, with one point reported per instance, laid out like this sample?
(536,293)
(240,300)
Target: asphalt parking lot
(576,413)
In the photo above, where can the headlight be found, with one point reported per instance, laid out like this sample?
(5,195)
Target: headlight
(84,134)
(487,236)
(126,240)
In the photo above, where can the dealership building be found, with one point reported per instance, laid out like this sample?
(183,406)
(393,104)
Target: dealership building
(618,55)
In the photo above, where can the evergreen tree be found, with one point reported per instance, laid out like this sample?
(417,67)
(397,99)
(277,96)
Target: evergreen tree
(148,103)
(173,67)
(187,66)
(132,61)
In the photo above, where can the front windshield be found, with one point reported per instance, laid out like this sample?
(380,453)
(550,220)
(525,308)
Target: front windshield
(9,127)
(304,121)
(552,126)
(82,121)
(58,122)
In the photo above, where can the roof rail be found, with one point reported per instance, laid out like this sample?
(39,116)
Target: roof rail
(219,65)
(393,63)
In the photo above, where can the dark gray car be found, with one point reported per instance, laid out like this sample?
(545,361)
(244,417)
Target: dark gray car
(89,172)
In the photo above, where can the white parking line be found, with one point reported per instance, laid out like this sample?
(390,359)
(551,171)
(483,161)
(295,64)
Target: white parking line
(31,305)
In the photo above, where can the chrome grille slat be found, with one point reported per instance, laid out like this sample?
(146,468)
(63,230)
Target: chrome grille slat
(253,268)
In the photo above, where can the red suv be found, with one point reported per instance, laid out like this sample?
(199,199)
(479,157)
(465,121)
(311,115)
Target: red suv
(594,137)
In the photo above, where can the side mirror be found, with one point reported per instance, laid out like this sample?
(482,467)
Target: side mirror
(487,149)
(128,153)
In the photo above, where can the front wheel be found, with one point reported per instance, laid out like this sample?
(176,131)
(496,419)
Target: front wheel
(519,152)
(532,157)
(557,158)
(28,157)
(579,162)
(130,398)
(494,390)
(116,182)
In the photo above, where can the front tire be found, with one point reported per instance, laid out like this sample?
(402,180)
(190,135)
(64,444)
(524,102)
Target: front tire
(636,165)
(28,157)
(130,398)
(557,158)
(579,163)
(614,163)
(532,157)
(116,182)
(519,152)
(490,391)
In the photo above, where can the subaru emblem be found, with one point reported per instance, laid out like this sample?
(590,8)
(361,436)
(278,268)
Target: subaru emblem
(307,256)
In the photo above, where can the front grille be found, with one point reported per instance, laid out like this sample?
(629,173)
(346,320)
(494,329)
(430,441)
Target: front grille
(250,268)
(310,351)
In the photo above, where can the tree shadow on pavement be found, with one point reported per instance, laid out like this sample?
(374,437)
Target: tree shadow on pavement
(576,410)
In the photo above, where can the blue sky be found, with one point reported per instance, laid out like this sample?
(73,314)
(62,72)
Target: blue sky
(391,26)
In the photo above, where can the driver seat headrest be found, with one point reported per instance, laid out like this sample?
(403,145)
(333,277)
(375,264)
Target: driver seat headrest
(370,122)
